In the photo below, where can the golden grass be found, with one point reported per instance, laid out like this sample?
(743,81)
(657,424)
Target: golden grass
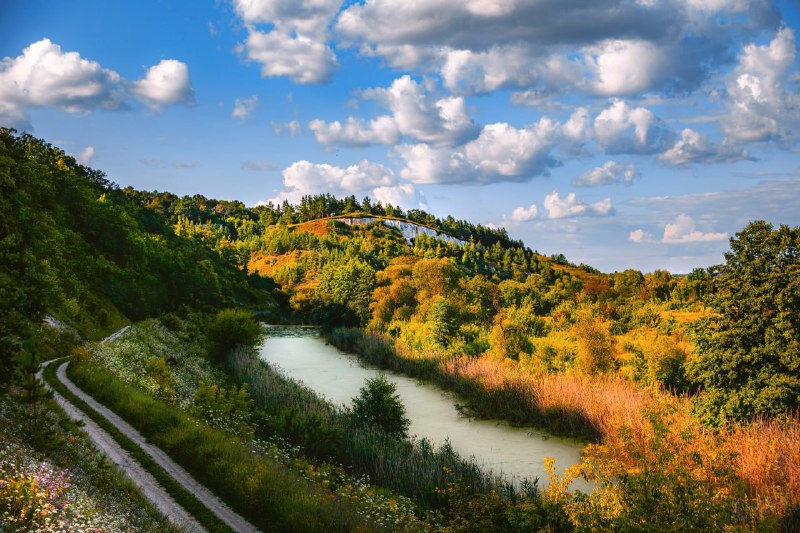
(763,456)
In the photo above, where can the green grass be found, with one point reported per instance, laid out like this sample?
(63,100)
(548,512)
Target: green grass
(268,494)
(184,498)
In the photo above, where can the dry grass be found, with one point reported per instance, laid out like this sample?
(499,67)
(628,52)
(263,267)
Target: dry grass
(761,459)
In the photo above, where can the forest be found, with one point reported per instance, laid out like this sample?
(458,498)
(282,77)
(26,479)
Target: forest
(686,387)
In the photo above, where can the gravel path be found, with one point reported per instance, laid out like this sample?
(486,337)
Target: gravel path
(106,445)
(232,519)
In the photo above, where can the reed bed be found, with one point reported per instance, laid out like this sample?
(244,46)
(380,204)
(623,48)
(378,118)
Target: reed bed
(756,464)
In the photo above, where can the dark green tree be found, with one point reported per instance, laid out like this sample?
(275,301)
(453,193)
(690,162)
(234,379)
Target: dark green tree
(748,361)
(443,322)
(232,328)
(379,406)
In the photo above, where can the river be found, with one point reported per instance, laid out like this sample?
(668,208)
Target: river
(495,445)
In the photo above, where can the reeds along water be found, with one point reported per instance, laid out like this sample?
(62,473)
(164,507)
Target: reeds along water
(414,468)
(764,455)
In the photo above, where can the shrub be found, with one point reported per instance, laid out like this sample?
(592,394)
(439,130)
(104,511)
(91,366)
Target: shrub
(378,405)
(230,329)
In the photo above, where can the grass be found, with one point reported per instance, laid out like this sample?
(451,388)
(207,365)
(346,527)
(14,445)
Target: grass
(184,498)
(266,493)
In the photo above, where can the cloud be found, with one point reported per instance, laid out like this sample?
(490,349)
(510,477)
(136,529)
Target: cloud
(693,147)
(292,127)
(356,132)
(478,25)
(365,177)
(760,107)
(620,129)
(640,236)
(45,76)
(166,83)
(259,166)
(296,44)
(613,48)
(415,114)
(570,206)
(500,153)
(244,107)
(622,67)
(609,172)
(86,155)
(404,195)
(683,230)
(471,72)
(524,214)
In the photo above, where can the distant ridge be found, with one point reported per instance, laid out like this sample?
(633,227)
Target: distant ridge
(409,229)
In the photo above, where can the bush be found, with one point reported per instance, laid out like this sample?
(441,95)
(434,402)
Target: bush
(378,405)
(232,328)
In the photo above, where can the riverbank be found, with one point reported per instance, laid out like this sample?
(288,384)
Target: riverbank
(496,446)
(648,437)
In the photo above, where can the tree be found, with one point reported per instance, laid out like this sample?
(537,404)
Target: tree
(232,328)
(748,361)
(443,322)
(595,344)
(348,283)
(379,406)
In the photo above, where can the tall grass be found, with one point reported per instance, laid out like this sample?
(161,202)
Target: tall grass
(265,492)
(764,455)
(414,468)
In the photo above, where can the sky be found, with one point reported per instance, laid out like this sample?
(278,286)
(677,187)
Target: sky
(622,133)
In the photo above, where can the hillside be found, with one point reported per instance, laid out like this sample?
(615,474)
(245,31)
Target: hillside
(687,386)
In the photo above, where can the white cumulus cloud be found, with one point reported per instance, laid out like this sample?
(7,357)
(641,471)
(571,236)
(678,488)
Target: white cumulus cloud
(621,129)
(415,113)
(683,230)
(363,178)
(571,206)
(609,172)
(166,83)
(45,76)
(694,147)
(640,236)
(296,43)
(760,104)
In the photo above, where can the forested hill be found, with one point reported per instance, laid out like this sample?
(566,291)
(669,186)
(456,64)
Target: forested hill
(74,245)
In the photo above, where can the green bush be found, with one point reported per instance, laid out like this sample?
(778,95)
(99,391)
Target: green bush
(232,328)
(378,405)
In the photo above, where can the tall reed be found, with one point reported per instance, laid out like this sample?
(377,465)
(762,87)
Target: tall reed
(764,454)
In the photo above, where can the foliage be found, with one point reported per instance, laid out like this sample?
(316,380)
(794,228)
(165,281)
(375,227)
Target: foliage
(378,405)
(443,322)
(348,285)
(595,353)
(263,491)
(229,329)
(748,361)
(229,410)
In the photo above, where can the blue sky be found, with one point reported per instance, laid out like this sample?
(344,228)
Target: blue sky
(624,133)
